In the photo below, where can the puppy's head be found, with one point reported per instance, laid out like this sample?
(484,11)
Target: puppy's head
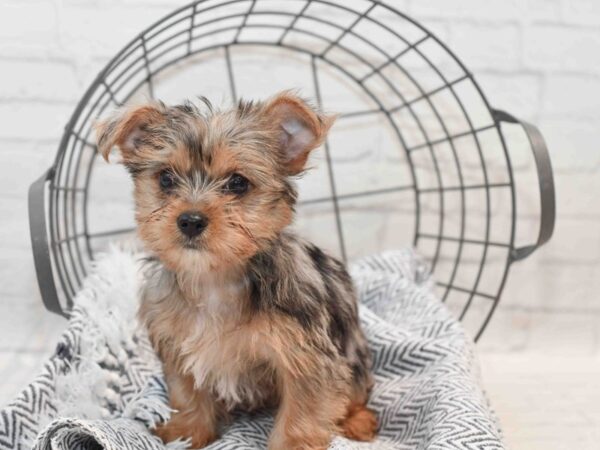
(212,188)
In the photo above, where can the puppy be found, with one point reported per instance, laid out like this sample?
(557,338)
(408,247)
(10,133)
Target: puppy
(243,313)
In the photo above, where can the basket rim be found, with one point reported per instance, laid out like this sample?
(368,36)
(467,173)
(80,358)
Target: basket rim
(192,5)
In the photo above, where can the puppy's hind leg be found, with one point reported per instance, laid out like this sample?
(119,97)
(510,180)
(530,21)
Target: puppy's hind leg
(360,422)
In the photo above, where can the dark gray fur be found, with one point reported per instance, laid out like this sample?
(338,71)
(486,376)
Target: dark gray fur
(297,279)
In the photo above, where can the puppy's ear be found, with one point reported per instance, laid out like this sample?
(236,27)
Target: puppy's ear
(128,129)
(301,128)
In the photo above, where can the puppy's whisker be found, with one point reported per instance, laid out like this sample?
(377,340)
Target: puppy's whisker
(236,221)
(153,214)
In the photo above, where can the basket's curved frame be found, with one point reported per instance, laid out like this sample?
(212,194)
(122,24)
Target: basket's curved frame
(42,233)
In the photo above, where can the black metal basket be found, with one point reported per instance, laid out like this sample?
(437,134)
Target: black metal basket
(417,155)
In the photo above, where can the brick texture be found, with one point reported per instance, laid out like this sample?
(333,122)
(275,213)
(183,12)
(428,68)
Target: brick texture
(543,70)
(537,59)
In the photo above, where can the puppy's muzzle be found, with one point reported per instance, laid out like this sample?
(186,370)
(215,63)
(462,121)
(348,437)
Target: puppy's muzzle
(192,223)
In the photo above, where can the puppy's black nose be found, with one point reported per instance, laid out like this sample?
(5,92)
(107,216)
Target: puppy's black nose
(191,223)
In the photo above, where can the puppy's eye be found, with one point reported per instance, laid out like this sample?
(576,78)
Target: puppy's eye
(237,184)
(166,180)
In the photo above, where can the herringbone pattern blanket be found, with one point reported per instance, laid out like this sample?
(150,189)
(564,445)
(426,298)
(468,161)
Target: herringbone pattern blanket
(103,388)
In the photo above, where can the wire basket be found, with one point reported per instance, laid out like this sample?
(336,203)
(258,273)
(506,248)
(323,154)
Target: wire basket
(417,156)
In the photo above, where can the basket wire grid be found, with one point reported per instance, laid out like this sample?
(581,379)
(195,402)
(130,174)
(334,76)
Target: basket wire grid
(450,140)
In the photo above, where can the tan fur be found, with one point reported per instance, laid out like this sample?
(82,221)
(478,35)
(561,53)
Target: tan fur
(360,423)
(246,315)
(196,413)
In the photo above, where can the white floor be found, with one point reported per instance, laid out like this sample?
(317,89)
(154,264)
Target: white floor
(543,402)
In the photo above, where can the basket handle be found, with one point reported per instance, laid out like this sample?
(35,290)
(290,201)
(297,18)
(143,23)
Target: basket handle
(546,182)
(39,243)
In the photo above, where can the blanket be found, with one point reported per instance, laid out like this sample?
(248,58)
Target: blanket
(103,388)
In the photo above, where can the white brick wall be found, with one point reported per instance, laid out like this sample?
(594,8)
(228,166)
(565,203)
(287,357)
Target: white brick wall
(538,59)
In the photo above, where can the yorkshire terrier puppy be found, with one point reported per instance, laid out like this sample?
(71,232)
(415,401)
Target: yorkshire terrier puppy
(243,313)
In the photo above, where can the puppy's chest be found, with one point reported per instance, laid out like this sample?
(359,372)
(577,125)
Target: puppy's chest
(232,363)
(223,351)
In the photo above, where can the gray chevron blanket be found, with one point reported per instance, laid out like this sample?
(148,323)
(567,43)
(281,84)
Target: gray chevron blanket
(103,387)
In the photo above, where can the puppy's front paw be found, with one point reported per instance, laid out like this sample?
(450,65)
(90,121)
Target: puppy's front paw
(313,440)
(172,431)
(297,445)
